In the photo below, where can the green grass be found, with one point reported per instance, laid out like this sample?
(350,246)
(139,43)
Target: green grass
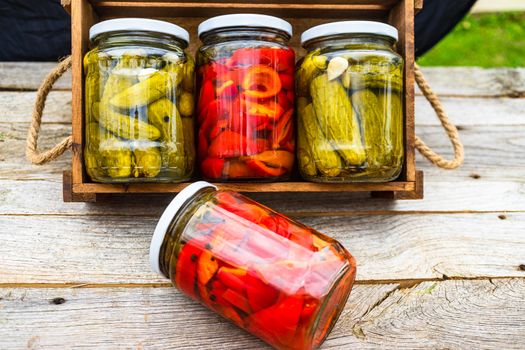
(483,40)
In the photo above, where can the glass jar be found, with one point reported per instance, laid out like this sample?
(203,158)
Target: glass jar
(246,102)
(139,102)
(350,103)
(274,277)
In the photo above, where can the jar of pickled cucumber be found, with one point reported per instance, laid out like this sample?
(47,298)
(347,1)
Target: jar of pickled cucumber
(274,277)
(246,101)
(350,103)
(139,102)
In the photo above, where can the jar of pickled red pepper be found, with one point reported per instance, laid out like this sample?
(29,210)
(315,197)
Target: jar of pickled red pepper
(246,100)
(350,103)
(274,277)
(139,102)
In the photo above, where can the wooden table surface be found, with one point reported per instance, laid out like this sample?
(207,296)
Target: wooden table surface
(446,272)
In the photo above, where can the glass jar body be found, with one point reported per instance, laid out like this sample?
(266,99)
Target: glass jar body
(139,107)
(274,277)
(246,105)
(350,110)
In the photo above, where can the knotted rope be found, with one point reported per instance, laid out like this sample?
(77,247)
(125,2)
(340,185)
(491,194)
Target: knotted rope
(450,128)
(32,154)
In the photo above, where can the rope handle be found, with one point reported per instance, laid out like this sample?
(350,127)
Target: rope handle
(41,158)
(32,154)
(451,130)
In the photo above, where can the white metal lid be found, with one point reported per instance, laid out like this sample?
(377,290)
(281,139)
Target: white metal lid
(350,27)
(138,24)
(245,20)
(166,218)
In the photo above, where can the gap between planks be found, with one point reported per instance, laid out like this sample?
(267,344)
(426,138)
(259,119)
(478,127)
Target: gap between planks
(403,283)
(297,214)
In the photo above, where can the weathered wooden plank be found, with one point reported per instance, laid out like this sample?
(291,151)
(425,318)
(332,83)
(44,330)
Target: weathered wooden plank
(463,81)
(491,153)
(29,76)
(44,197)
(450,314)
(151,318)
(494,153)
(17,107)
(114,249)
(13,163)
(451,81)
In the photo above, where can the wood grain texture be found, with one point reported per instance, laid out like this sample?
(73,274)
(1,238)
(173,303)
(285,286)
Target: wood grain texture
(487,314)
(438,315)
(29,75)
(44,197)
(138,318)
(493,153)
(114,249)
(474,82)
(82,18)
(17,106)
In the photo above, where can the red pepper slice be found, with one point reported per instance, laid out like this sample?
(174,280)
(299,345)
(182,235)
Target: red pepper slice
(284,102)
(278,323)
(186,269)
(227,90)
(232,315)
(283,132)
(236,299)
(287,81)
(260,295)
(269,109)
(229,144)
(207,94)
(273,159)
(280,59)
(235,169)
(264,170)
(212,168)
(261,82)
(206,268)
(251,56)
(251,212)
(232,278)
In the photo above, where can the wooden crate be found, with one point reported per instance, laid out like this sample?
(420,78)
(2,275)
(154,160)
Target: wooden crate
(302,15)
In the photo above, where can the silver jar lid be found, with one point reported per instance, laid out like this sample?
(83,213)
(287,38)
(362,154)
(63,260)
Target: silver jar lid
(138,24)
(350,27)
(245,20)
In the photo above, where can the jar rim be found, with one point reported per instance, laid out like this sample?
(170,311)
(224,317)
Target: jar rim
(350,27)
(138,24)
(245,20)
(167,217)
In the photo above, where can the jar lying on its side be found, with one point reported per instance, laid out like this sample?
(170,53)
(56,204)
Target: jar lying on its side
(350,103)
(272,276)
(246,102)
(139,102)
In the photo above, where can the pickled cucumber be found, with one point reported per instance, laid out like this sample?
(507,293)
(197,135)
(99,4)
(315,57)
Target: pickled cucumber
(134,130)
(337,119)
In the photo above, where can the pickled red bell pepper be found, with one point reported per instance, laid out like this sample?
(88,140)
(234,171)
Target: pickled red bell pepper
(245,108)
(261,82)
(259,270)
